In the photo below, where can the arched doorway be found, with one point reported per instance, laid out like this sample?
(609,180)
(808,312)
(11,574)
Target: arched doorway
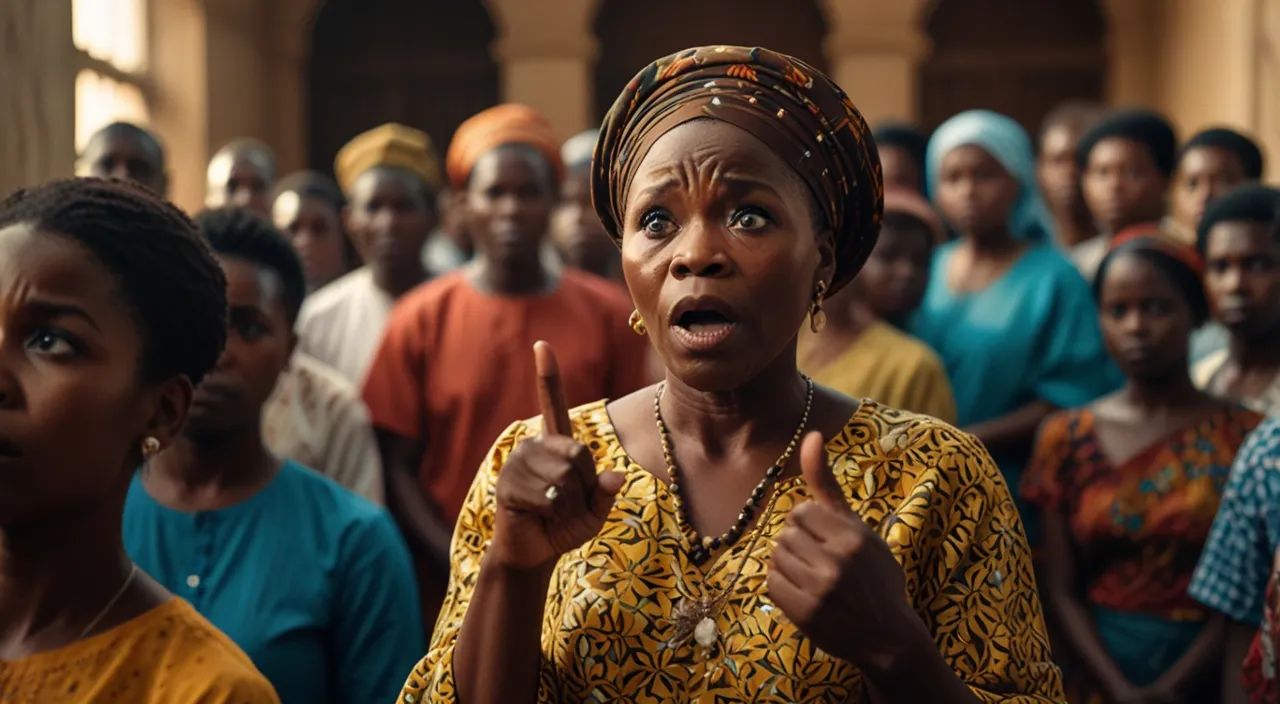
(1012,56)
(423,63)
(632,34)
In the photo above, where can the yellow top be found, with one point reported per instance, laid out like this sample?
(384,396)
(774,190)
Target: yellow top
(889,366)
(169,655)
(930,490)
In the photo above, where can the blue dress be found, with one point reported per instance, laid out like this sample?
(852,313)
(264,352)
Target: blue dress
(313,582)
(1031,335)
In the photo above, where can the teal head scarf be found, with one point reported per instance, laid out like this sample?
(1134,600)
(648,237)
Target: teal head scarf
(1006,141)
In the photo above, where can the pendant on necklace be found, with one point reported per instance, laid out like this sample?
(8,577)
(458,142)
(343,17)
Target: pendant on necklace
(705,633)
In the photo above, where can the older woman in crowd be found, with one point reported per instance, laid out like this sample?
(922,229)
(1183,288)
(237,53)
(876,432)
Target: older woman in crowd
(736,532)
(1012,320)
(94,277)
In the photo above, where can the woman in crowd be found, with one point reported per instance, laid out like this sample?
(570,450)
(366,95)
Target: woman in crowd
(307,208)
(94,277)
(391,175)
(126,151)
(576,229)
(311,580)
(1010,317)
(1126,160)
(454,368)
(681,542)
(859,352)
(1058,173)
(1242,258)
(1130,484)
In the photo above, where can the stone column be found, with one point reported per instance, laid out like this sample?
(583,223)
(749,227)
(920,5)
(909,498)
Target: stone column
(179,94)
(546,53)
(874,49)
(37,83)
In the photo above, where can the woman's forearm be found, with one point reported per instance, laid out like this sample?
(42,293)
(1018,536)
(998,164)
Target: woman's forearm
(1202,657)
(1084,642)
(1013,430)
(499,649)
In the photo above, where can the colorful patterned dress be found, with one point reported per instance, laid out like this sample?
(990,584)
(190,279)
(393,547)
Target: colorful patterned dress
(1139,527)
(931,491)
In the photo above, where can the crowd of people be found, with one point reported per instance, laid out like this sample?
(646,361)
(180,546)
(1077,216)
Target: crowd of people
(735,398)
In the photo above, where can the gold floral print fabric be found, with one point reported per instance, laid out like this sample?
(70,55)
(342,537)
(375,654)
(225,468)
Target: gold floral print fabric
(931,491)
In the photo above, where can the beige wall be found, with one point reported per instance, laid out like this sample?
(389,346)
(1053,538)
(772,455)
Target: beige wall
(224,69)
(1202,64)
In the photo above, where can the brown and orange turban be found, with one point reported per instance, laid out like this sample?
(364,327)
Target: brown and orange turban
(799,113)
(510,123)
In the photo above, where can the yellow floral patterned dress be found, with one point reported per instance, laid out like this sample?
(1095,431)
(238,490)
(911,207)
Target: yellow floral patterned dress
(930,490)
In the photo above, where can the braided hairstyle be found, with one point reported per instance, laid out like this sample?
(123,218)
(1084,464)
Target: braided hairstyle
(165,272)
(237,233)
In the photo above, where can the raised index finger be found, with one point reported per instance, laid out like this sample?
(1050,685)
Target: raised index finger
(551,401)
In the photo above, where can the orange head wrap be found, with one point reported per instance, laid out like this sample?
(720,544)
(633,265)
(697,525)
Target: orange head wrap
(510,123)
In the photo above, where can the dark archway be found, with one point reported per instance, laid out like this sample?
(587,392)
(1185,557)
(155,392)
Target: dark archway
(632,33)
(423,63)
(1015,57)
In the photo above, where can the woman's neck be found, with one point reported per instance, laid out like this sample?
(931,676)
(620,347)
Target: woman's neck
(400,280)
(762,412)
(992,245)
(57,575)
(511,278)
(205,474)
(1161,393)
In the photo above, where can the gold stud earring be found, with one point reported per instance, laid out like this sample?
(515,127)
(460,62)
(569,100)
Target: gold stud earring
(637,323)
(818,317)
(150,446)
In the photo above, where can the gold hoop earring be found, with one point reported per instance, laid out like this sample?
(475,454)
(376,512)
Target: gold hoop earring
(818,317)
(150,446)
(637,323)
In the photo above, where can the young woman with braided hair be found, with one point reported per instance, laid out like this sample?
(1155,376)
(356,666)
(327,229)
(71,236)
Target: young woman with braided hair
(112,310)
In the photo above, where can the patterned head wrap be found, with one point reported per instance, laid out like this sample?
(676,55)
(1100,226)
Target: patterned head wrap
(795,110)
(392,145)
(1007,143)
(510,123)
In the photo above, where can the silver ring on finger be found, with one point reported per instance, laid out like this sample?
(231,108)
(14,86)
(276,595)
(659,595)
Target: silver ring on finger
(552,492)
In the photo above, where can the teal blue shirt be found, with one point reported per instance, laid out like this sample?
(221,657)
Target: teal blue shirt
(1032,335)
(314,583)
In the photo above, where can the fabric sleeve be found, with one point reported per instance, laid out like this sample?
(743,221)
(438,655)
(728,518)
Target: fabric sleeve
(1042,481)
(971,575)
(351,450)
(395,385)
(929,392)
(1071,366)
(377,627)
(222,688)
(1232,574)
(432,680)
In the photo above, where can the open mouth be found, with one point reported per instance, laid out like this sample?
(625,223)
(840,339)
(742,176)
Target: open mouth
(705,321)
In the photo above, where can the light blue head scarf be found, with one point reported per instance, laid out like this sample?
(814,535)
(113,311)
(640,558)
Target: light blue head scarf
(1006,141)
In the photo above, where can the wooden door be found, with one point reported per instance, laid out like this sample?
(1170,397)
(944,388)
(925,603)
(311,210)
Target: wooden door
(423,63)
(633,34)
(1017,57)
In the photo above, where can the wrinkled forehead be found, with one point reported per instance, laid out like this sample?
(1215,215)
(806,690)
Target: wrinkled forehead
(716,152)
